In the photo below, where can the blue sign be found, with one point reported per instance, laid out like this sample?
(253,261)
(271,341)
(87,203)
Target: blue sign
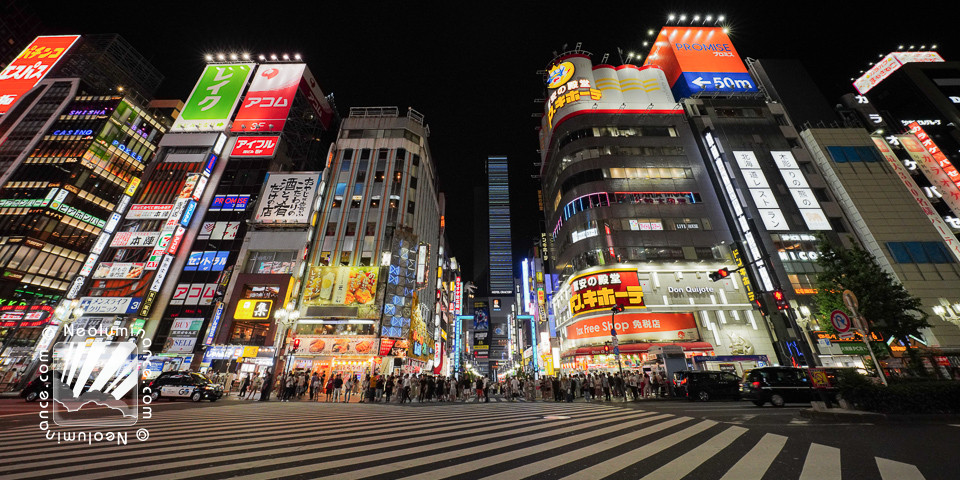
(193,261)
(217,203)
(214,323)
(188,213)
(211,162)
(690,83)
(242,201)
(220,261)
(206,262)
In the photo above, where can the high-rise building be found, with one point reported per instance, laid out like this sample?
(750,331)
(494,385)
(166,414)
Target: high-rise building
(500,248)
(71,156)
(371,273)
(634,221)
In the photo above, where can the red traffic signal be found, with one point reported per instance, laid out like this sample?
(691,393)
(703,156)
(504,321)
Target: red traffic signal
(781,300)
(296,343)
(606,349)
(720,274)
(761,307)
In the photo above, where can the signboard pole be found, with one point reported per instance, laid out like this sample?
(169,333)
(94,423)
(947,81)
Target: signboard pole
(850,300)
(613,336)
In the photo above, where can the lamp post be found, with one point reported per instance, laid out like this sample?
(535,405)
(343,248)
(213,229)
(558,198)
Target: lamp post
(286,317)
(613,335)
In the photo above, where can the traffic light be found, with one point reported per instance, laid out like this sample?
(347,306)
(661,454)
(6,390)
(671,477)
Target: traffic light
(617,309)
(296,343)
(781,300)
(606,349)
(760,306)
(720,274)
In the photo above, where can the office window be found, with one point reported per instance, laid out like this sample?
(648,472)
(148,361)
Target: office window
(919,252)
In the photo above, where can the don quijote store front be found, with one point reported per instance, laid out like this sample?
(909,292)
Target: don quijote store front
(665,306)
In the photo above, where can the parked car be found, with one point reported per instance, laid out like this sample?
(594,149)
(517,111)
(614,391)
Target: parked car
(31,392)
(777,385)
(173,385)
(707,384)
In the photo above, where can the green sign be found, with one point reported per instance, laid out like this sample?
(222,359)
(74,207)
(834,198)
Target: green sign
(851,348)
(213,99)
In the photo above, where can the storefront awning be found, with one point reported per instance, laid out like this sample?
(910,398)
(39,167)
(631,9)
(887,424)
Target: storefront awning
(636,348)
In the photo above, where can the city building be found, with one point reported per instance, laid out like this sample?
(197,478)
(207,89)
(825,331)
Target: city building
(634,221)
(369,298)
(72,154)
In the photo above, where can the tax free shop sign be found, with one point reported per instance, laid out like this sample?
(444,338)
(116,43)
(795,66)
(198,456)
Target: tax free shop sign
(699,59)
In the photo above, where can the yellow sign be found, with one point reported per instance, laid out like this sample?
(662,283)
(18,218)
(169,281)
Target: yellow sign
(819,378)
(569,93)
(559,74)
(250,351)
(253,309)
(132,187)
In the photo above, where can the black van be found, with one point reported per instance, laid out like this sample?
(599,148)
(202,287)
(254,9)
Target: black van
(707,385)
(777,385)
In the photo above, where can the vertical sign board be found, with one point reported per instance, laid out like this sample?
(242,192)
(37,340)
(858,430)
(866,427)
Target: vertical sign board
(311,91)
(267,103)
(802,194)
(210,105)
(760,191)
(945,233)
(33,63)
(938,174)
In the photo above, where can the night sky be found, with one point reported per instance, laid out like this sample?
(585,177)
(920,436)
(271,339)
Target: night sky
(471,67)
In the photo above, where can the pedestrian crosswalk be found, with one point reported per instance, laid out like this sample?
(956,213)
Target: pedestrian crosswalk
(499,440)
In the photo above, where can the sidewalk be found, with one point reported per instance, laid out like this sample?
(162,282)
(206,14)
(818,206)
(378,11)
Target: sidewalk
(843,415)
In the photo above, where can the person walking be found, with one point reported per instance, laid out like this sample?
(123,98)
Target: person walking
(314,386)
(255,388)
(407,385)
(267,383)
(244,383)
(378,395)
(337,389)
(388,388)
(605,382)
(348,389)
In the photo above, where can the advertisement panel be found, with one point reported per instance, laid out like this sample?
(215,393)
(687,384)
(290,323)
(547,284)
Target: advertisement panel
(213,99)
(135,239)
(602,290)
(253,309)
(109,305)
(149,212)
(311,91)
(119,271)
(331,345)
(640,326)
(341,286)
(936,153)
(287,198)
(889,64)
(33,63)
(697,59)
(259,146)
(267,103)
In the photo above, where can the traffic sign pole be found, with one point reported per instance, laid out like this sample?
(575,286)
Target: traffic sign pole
(850,300)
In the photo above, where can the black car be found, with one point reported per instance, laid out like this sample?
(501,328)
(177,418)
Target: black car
(43,382)
(706,385)
(777,385)
(173,385)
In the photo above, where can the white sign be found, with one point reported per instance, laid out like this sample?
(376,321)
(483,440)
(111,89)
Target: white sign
(890,64)
(149,212)
(287,198)
(107,305)
(161,273)
(119,271)
(135,239)
(840,321)
(591,232)
(800,190)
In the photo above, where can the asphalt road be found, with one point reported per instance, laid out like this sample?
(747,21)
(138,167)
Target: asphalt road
(654,439)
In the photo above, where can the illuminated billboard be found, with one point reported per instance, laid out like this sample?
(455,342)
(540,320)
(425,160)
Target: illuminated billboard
(287,198)
(699,59)
(267,103)
(33,63)
(343,286)
(601,291)
(889,64)
(640,326)
(211,103)
(255,146)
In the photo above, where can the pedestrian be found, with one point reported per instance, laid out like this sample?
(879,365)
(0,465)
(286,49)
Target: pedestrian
(407,385)
(366,390)
(479,389)
(655,384)
(633,385)
(267,383)
(388,388)
(244,383)
(514,389)
(301,384)
(328,389)
(348,389)
(255,388)
(605,381)
(380,386)
(486,390)
(291,387)
(337,388)
(314,386)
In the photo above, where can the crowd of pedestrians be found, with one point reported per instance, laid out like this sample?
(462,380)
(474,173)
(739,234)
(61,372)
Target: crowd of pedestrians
(407,388)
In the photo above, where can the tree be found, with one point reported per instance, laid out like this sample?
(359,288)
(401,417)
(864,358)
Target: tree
(884,303)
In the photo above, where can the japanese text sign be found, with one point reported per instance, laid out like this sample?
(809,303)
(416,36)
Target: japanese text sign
(287,198)
(213,99)
(33,63)
(602,290)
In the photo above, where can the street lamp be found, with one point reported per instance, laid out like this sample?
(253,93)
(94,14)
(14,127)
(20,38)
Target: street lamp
(286,317)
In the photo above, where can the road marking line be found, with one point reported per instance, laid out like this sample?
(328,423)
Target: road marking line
(822,463)
(625,460)
(891,470)
(756,462)
(535,468)
(686,463)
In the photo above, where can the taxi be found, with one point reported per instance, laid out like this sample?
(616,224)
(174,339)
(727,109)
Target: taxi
(174,385)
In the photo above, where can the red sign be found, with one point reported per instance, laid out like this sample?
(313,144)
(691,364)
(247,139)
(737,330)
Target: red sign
(386,344)
(33,63)
(942,361)
(694,49)
(604,289)
(934,150)
(647,325)
(259,146)
(267,104)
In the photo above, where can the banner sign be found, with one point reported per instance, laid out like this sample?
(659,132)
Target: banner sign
(119,271)
(259,146)
(268,101)
(211,104)
(33,63)
(149,212)
(135,239)
(602,290)
(287,198)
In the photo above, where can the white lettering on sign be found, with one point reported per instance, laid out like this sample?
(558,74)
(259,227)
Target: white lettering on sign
(695,290)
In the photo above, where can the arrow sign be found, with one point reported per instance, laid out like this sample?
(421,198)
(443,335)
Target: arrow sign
(700,82)
(840,321)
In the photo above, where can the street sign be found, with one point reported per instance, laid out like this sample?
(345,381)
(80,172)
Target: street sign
(846,335)
(861,325)
(840,321)
(850,300)
(818,377)
(616,351)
